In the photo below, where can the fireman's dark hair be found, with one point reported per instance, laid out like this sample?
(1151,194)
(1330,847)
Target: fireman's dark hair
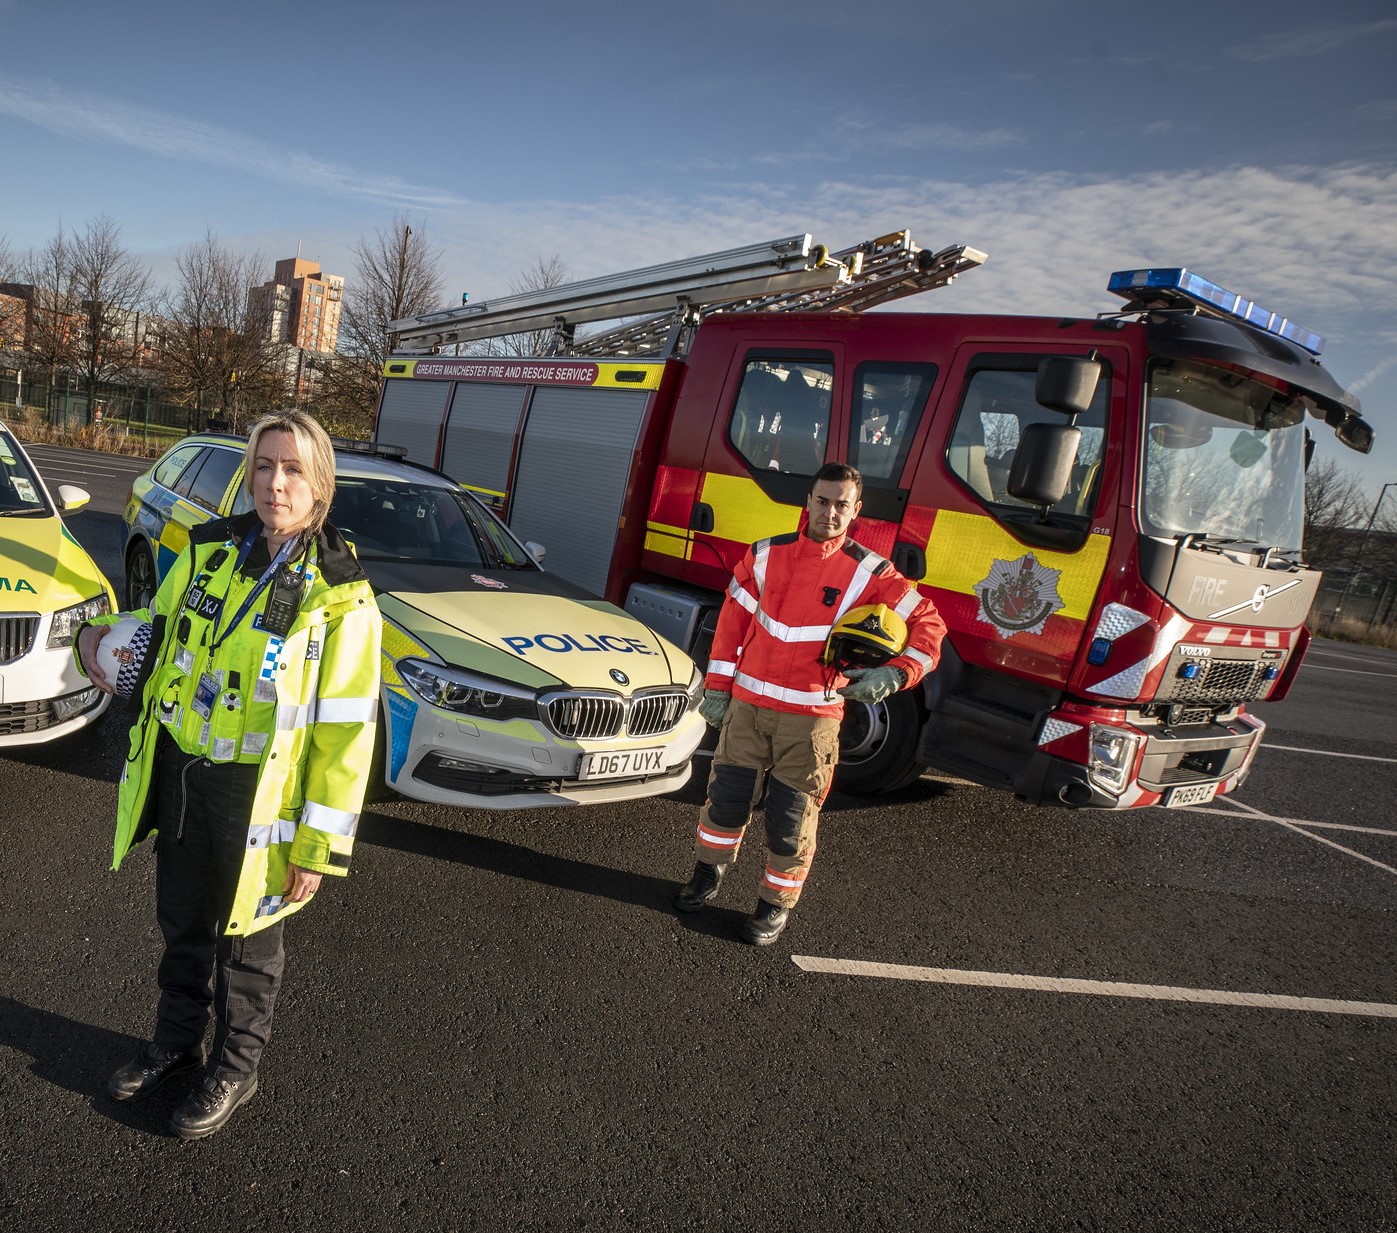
(839,473)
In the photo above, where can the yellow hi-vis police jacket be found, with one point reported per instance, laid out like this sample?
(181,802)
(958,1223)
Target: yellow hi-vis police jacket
(309,719)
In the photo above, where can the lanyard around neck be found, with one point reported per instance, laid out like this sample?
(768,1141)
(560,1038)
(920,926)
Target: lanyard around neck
(282,556)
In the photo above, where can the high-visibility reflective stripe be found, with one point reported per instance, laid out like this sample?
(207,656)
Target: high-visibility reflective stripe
(254,742)
(721,667)
(908,603)
(742,595)
(792,633)
(290,717)
(799,697)
(760,552)
(346,710)
(224,749)
(918,657)
(719,841)
(787,882)
(260,835)
(334,821)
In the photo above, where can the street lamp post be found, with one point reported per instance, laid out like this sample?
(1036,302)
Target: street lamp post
(1358,556)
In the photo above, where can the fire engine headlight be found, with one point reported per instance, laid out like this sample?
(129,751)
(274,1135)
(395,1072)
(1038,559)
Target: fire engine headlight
(468,693)
(65,622)
(1112,757)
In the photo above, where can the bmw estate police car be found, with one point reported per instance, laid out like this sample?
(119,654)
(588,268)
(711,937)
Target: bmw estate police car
(503,686)
(48,587)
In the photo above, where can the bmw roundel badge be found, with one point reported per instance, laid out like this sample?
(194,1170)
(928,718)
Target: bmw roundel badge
(620,677)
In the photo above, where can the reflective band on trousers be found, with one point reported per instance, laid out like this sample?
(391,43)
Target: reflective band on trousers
(785,881)
(718,841)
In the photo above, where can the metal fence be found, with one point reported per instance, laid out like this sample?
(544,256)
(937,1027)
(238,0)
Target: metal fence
(64,406)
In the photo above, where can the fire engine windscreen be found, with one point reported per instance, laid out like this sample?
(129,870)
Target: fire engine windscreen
(1224,456)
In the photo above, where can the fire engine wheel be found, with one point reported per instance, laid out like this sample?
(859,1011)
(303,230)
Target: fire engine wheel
(878,746)
(140,578)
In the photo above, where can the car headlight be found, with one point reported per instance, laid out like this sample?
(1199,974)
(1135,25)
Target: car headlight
(695,689)
(468,693)
(1112,757)
(65,622)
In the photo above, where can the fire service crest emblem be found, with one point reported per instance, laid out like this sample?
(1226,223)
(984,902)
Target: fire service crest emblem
(1018,597)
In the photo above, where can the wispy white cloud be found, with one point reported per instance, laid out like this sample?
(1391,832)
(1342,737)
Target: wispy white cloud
(1313,40)
(109,121)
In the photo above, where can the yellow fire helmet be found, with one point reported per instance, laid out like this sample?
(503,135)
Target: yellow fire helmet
(865,637)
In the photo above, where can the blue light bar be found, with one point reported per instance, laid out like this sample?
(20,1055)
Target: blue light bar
(1185,286)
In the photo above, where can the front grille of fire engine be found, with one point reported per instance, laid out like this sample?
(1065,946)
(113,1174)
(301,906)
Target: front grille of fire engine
(1223,681)
(592,717)
(16,637)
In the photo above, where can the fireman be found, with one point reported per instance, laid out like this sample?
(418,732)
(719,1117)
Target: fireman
(778,707)
(249,759)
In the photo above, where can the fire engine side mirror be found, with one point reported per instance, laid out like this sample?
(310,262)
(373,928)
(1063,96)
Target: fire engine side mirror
(1042,466)
(1067,383)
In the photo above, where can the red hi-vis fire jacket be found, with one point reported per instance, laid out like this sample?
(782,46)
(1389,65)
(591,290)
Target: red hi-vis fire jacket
(785,596)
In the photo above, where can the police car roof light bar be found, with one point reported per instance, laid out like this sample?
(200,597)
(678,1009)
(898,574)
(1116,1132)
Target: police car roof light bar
(1181,288)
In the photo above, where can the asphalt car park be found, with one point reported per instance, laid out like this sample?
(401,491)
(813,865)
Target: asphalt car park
(496,1021)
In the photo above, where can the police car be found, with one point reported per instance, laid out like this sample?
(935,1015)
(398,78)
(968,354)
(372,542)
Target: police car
(48,587)
(503,686)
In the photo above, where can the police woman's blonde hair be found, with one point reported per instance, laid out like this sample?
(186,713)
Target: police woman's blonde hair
(317,458)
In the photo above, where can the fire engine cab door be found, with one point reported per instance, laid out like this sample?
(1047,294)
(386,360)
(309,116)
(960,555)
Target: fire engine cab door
(779,420)
(1016,587)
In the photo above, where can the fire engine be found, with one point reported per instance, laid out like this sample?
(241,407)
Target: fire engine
(1107,510)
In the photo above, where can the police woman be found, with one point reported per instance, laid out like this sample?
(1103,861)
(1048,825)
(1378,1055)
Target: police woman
(248,761)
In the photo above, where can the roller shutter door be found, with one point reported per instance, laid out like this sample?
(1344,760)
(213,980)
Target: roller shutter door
(573,469)
(480,437)
(410,415)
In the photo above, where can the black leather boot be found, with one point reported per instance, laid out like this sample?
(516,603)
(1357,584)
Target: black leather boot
(210,1105)
(701,889)
(147,1071)
(765,924)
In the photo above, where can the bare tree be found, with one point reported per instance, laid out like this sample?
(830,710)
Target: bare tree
(1333,504)
(11,307)
(218,354)
(545,272)
(112,292)
(398,275)
(52,308)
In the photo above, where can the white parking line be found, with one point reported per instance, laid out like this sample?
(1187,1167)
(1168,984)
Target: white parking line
(1103,988)
(1352,671)
(1299,825)
(1328,753)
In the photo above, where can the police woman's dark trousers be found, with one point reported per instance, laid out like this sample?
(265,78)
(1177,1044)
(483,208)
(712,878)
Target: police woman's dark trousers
(204,809)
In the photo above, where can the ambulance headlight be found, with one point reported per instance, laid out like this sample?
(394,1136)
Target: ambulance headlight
(1112,757)
(468,693)
(65,623)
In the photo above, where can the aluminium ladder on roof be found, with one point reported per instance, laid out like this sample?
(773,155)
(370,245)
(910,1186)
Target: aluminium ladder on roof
(788,274)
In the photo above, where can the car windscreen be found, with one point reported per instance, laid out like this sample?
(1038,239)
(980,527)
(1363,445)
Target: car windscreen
(20,489)
(401,520)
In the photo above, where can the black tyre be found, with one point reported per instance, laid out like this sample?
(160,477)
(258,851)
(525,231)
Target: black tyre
(878,745)
(141,582)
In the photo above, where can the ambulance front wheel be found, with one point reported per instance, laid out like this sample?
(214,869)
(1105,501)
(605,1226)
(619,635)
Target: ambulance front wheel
(878,745)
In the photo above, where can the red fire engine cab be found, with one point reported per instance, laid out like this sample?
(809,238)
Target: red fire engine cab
(1107,511)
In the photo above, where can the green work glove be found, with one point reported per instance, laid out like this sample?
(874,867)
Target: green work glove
(714,706)
(872,684)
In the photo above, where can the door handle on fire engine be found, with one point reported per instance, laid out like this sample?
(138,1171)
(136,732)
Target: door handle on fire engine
(702,517)
(910,562)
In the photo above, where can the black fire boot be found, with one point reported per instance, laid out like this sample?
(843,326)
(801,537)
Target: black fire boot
(701,889)
(765,924)
(209,1106)
(147,1071)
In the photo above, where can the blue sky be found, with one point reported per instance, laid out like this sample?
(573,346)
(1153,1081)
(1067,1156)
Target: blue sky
(1255,142)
